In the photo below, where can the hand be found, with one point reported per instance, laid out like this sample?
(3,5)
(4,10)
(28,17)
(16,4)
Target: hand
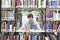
(27,30)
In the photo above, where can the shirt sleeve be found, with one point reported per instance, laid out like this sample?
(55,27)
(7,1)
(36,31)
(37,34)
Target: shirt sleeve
(38,27)
(23,26)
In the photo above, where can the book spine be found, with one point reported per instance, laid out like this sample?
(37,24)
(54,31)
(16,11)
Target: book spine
(39,37)
(11,37)
(9,3)
(12,25)
(51,14)
(33,3)
(29,37)
(7,14)
(13,3)
(21,37)
(18,2)
(59,2)
(55,25)
(27,3)
(17,37)
(39,3)
(5,26)
(53,3)
(8,24)
(47,26)
(47,14)
(33,37)
(4,37)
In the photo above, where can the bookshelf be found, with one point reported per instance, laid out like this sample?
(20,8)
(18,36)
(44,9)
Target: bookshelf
(7,16)
(14,15)
(54,18)
(53,4)
(24,12)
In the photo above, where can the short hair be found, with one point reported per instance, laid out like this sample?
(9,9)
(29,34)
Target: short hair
(30,15)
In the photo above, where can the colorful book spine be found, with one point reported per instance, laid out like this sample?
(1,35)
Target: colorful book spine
(24,3)
(25,37)
(12,25)
(3,14)
(5,26)
(18,2)
(55,25)
(47,27)
(39,37)
(21,37)
(29,37)
(11,37)
(9,3)
(8,24)
(50,14)
(33,3)
(33,38)
(17,37)
(7,15)
(27,3)
(11,16)
(59,2)
(13,3)
(4,37)
(39,3)
(47,13)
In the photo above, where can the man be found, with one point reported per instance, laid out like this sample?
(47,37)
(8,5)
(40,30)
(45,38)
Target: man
(30,24)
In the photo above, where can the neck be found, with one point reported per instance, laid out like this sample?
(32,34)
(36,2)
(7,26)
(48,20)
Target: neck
(30,21)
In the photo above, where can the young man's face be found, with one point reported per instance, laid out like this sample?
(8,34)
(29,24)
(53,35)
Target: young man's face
(30,19)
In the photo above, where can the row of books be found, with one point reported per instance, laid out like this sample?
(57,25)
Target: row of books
(7,26)
(7,15)
(8,3)
(53,15)
(52,26)
(31,3)
(53,3)
(21,36)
